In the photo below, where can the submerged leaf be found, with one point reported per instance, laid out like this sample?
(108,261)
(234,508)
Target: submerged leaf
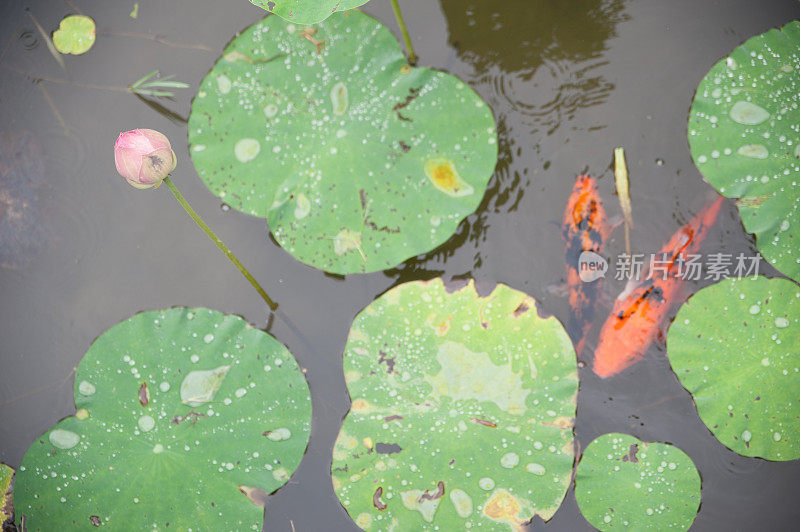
(201,386)
(306,11)
(621,180)
(357,160)
(735,347)
(623,483)
(75,35)
(183,458)
(462,411)
(744,139)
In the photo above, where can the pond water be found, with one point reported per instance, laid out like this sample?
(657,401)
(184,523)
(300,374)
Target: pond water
(568,82)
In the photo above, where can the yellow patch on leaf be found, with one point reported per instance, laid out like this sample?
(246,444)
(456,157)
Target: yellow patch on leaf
(445,177)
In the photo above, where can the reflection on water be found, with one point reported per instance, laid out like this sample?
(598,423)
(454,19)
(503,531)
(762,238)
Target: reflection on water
(22,216)
(540,57)
(536,63)
(29,39)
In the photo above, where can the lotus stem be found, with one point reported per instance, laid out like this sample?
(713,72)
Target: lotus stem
(412,57)
(220,244)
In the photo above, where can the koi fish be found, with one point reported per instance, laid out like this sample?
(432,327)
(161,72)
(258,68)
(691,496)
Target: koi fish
(584,228)
(637,318)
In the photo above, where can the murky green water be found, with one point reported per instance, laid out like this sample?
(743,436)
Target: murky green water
(81,250)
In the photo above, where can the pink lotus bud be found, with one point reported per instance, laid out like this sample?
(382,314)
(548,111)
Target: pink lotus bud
(144,157)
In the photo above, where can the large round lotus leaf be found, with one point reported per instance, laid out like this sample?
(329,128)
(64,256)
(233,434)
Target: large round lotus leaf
(357,160)
(736,347)
(186,419)
(462,411)
(744,137)
(75,35)
(306,11)
(623,483)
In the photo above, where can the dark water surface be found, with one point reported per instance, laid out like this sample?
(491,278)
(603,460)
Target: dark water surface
(80,250)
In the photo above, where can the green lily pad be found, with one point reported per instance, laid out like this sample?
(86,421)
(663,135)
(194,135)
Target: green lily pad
(744,139)
(622,483)
(75,35)
(357,160)
(6,498)
(137,456)
(735,346)
(462,411)
(307,11)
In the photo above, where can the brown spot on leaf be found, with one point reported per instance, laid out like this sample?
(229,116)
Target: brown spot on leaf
(308,34)
(752,201)
(387,448)
(428,496)
(144,394)
(359,405)
(384,359)
(193,416)
(631,456)
(521,309)
(95,520)
(412,95)
(256,495)
(561,422)
(444,326)
(383,228)
(376,499)
(502,506)
(484,422)
(392,418)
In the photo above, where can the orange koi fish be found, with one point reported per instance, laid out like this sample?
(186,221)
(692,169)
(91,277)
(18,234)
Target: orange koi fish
(585,228)
(637,318)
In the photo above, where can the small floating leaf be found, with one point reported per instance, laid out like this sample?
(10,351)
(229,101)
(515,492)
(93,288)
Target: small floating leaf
(75,35)
(462,411)
(744,139)
(735,347)
(622,483)
(306,11)
(357,161)
(195,461)
(6,499)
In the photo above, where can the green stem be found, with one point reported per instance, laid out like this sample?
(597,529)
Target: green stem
(221,245)
(412,57)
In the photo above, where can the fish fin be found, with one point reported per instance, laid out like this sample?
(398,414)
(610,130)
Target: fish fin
(630,286)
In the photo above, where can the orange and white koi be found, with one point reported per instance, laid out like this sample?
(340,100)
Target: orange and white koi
(585,228)
(638,317)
